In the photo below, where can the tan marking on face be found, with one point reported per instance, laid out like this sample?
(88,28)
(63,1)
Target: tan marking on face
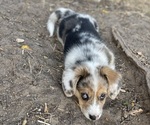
(81,71)
(85,87)
(85,103)
(101,90)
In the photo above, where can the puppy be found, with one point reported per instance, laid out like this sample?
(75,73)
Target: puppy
(89,71)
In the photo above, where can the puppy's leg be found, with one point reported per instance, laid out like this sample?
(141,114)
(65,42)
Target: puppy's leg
(67,82)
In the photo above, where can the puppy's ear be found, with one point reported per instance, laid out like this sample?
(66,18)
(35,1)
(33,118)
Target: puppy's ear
(70,79)
(81,72)
(113,78)
(110,57)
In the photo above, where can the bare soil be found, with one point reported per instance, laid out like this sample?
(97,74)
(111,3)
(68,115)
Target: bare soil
(30,70)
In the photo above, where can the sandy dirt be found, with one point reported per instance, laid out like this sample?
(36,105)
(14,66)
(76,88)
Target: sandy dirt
(30,70)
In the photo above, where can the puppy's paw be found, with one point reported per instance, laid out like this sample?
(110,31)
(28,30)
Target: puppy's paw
(68,91)
(114,91)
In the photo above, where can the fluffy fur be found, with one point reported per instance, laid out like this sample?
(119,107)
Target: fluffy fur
(89,71)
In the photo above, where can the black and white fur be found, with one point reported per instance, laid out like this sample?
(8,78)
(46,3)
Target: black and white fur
(82,43)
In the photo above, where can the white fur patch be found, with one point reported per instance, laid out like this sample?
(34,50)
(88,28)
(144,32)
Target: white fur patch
(68,75)
(114,90)
(77,28)
(77,53)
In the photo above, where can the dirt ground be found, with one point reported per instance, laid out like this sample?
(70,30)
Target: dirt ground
(30,70)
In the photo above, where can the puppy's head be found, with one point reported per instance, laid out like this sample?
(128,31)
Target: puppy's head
(92,88)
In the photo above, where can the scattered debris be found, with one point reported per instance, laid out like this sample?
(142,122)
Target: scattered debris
(136,112)
(133,112)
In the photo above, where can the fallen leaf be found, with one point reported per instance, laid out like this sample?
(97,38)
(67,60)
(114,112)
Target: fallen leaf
(132,104)
(105,11)
(25,47)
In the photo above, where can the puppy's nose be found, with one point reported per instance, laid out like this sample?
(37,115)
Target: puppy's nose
(92,117)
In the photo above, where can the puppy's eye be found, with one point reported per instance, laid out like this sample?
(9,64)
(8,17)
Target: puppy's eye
(102,96)
(84,96)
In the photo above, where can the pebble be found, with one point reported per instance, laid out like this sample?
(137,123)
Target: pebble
(19,40)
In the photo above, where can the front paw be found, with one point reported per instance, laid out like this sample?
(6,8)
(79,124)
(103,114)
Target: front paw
(68,92)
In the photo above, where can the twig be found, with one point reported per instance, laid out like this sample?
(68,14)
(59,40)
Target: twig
(24,122)
(45,108)
(30,67)
(43,122)
(54,47)
(39,117)
(30,55)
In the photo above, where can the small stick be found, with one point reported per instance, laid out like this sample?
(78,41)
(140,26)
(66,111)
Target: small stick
(30,67)
(45,108)
(24,122)
(43,122)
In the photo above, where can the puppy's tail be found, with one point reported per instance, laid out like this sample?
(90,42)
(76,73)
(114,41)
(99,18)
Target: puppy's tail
(56,16)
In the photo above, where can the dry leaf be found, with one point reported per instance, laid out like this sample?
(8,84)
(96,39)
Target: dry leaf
(132,104)
(25,47)
(105,11)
